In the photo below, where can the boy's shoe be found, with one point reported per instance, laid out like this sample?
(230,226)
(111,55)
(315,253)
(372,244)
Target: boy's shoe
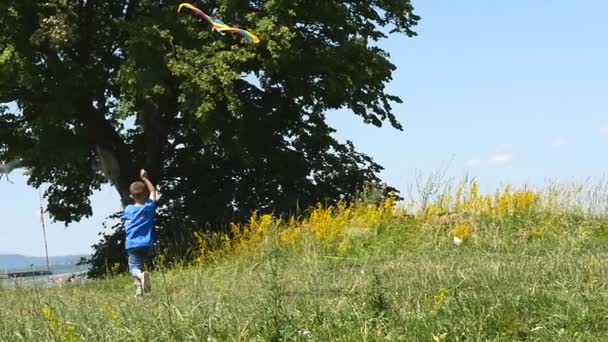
(145,282)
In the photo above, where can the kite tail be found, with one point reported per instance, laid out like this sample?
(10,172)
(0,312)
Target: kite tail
(218,25)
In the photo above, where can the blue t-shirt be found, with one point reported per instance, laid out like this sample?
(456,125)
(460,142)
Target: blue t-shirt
(139,223)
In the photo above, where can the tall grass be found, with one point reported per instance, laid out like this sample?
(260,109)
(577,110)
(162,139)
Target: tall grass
(530,267)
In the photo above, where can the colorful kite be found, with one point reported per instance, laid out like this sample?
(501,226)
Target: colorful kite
(218,25)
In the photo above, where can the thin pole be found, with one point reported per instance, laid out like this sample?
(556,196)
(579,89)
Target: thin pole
(46,248)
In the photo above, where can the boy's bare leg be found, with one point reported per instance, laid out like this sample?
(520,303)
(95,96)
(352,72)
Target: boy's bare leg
(139,291)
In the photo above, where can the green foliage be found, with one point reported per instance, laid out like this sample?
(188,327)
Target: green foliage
(406,283)
(223,126)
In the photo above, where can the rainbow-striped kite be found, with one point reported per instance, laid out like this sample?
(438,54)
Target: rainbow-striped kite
(218,25)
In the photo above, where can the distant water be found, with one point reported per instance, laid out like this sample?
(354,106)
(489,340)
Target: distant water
(60,276)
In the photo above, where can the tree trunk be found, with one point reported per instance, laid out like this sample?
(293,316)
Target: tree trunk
(113,153)
(157,119)
(155,138)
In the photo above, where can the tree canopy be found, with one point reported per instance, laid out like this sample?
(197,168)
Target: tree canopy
(104,88)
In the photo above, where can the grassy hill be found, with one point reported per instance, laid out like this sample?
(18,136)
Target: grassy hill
(531,266)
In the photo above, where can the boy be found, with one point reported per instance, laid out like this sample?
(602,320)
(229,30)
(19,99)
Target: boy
(139,223)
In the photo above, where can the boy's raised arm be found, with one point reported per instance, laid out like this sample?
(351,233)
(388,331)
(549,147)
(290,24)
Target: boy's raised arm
(151,188)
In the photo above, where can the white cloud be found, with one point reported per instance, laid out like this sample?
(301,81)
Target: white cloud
(472,163)
(559,142)
(501,159)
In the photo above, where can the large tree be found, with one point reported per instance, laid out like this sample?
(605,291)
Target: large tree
(104,88)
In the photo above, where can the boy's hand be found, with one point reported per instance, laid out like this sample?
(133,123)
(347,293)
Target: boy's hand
(144,176)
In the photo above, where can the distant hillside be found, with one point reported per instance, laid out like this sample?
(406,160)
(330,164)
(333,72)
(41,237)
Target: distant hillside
(15,262)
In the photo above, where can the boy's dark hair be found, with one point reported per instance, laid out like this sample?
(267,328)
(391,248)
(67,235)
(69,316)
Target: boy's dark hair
(138,191)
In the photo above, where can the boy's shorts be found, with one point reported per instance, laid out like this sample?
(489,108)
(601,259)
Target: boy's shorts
(137,258)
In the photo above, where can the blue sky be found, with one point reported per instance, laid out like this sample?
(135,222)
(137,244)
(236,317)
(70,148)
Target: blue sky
(507,91)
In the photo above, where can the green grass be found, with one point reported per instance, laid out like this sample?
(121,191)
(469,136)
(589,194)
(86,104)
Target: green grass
(507,290)
(533,273)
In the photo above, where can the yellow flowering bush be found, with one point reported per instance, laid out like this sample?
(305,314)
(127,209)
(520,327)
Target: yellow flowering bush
(468,201)
(59,330)
(460,214)
(462,231)
(333,224)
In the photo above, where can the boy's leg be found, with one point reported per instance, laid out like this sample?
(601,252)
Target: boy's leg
(136,261)
(136,267)
(145,276)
